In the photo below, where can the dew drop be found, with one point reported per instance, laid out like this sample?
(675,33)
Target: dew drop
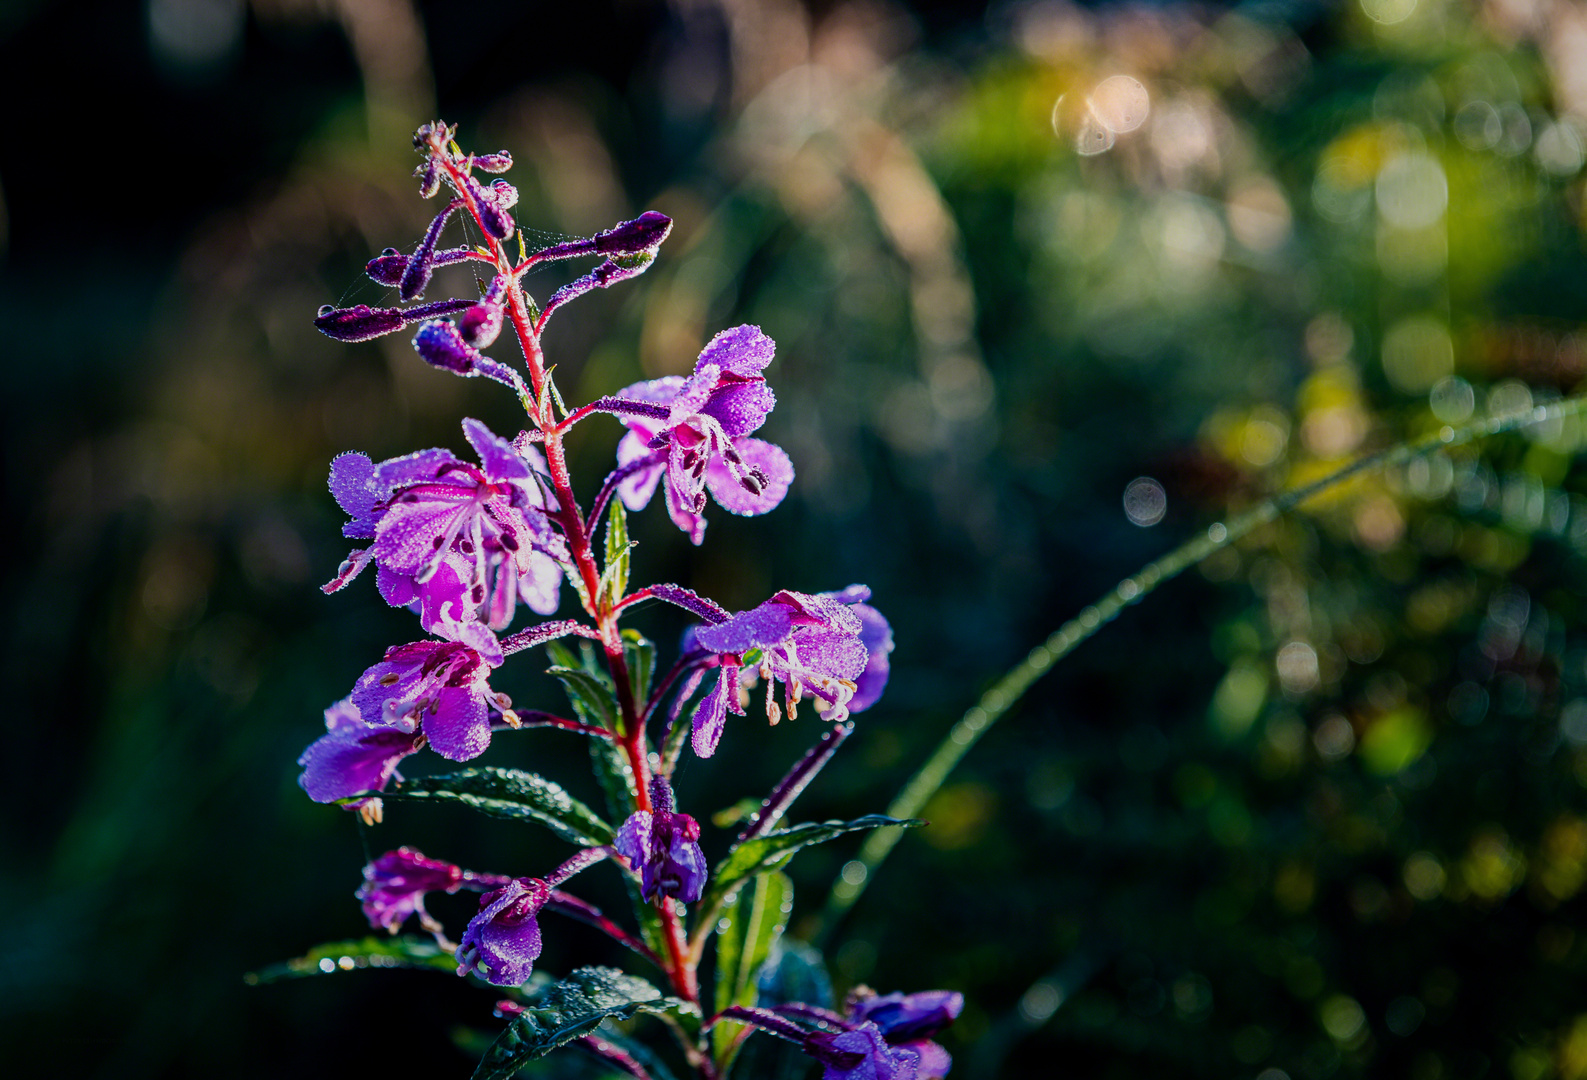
(326,309)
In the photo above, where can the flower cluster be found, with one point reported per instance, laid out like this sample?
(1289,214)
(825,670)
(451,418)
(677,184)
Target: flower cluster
(464,543)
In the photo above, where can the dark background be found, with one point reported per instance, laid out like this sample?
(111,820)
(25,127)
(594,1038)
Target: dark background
(1315,810)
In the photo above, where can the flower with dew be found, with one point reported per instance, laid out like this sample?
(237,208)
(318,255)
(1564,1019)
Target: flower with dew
(862,1053)
(438,687)
(812,644)
(395,884)
(355,756)
(429,509)
(703,442)
(664,848)
(504,938)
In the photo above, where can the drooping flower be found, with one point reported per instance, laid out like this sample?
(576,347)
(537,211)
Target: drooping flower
(664,847)
(703,443)
(504,937)
(862,1054)
(395,884)
(354,756)
(811,644)
(438,687)
(908,1021)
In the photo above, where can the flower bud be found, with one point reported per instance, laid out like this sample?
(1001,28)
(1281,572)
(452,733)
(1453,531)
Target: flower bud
(387,267)
(505,194)
(498,162)
(358,323)
(492,218)
(429,175)
(644,233)
(439,344)
(481,323)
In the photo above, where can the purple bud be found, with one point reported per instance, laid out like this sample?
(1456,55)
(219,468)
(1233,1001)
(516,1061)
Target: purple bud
(505,194)
(492,218)
(387,267)
(481,323)
(421,264)
(644,233)
(498,162)
(439,344)
(429,175)
(358,323)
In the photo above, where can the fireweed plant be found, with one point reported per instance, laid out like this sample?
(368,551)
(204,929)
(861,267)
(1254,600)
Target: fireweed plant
(462,542)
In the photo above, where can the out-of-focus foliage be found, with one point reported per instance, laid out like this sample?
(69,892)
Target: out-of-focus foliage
(1317,811)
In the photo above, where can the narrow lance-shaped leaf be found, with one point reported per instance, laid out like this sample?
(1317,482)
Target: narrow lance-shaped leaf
(513,795)
(614,578)
(565,1011)
(591,697)
(371,952)
(750,926)
(772,852)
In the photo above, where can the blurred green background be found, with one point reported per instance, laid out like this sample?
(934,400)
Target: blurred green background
(1316,809)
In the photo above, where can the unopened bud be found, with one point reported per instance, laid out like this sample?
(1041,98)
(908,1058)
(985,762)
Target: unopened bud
(480,324)
(439,344)
(644,233)
(492,218)
(498,162)
(387,267)
(505,194)
(429,175)
(358,323)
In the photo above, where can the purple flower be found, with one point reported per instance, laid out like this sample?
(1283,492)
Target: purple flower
(439,687)
(862,1054)
(355,756)
(664,847)
(703,443)
(504,936)
(877,637)
(395,884)
(437,522)
(908,1021)
(811,644)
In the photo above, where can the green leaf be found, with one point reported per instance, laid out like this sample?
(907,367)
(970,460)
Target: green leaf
(515,796)
(772,852)
(616,778)
(564,1011)
(641,655)
(371,952)
(795,972)
(752,922)
(614,578)
(592,697)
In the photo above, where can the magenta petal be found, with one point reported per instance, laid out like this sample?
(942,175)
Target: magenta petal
(743,350)
(711,716)
(633,839)
(767,624)
(459,726)
(637,488)
(877,637)
(350,760)
(732,495)
(406,538)
(353,484)
(740,407)
(504,936)
(501,461)
(540,584)
(414,468)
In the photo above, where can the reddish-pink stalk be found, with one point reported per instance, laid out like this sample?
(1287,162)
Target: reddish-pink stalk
(631,733)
